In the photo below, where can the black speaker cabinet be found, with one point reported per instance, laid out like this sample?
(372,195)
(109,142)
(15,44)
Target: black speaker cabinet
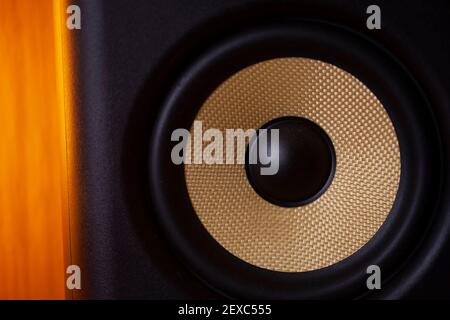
(144,67)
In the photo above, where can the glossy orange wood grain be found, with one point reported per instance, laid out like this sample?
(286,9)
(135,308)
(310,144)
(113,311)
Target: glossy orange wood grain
(36,190)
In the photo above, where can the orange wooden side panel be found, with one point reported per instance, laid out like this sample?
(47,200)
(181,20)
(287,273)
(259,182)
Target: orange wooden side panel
(36,186)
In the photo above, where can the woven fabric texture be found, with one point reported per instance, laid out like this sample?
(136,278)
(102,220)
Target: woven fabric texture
(347,215)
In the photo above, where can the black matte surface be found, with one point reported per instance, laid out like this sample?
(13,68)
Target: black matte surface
(128,57)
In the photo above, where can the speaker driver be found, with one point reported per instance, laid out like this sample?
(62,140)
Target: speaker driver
(378,202)
(352,209)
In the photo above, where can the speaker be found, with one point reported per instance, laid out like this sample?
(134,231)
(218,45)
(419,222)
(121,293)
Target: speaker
(362,123)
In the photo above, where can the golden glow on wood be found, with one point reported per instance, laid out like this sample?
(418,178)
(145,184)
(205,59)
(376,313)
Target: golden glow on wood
(36,198)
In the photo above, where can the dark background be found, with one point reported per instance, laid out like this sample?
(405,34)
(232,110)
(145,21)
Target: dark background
(130,52)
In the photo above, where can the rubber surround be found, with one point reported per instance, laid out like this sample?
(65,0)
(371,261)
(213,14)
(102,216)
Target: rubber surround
(408,109)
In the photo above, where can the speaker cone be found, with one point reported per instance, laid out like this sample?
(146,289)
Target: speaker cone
(352,209)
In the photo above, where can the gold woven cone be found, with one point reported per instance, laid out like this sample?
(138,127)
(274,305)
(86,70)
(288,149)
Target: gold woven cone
(347,215)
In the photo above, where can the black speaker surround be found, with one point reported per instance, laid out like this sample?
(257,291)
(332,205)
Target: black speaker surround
(145,69)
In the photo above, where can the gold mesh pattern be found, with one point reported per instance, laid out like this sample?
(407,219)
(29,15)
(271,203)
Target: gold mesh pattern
(347,215)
